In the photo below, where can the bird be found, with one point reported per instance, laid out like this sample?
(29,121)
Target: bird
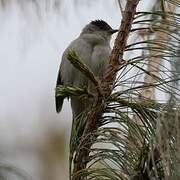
(93,48)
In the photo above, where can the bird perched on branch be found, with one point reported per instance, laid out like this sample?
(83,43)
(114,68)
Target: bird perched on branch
(93,48)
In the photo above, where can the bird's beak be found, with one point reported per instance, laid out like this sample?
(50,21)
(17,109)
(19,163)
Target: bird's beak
(112,31)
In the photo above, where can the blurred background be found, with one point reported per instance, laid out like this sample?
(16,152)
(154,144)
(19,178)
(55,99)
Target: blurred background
(33,36)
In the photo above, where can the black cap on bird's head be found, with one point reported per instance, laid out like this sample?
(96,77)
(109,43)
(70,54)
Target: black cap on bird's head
(103,26)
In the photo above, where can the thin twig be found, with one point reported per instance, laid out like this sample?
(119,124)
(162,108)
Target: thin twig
(120,7)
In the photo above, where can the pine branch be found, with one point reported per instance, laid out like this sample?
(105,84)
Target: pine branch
(116,59)
(77,63)
(67,91)
(154,64)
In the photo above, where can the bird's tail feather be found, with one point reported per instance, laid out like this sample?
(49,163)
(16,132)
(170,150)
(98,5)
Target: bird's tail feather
(59,103)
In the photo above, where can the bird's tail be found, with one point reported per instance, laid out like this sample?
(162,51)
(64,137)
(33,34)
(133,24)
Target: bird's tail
(59,103)
(58,99)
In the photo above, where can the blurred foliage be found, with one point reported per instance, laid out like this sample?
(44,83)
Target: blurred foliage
(38,4)
(52,154)
(8,172)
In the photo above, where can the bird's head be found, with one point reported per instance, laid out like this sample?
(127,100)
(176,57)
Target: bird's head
(98,30)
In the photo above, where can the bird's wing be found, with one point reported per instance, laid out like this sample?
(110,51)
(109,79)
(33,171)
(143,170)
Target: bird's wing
(64,77)
(59,99)
(68,74)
